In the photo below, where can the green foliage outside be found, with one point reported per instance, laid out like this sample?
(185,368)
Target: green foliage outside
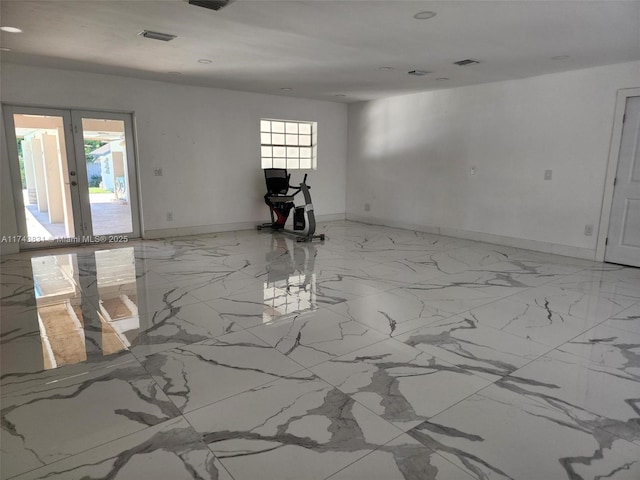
(90,146)
(95,181)
(23,177)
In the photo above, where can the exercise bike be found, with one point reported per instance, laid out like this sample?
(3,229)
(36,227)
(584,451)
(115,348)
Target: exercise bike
(280,200)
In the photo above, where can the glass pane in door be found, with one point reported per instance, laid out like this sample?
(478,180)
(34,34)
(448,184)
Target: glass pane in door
(105,149)
(44,173)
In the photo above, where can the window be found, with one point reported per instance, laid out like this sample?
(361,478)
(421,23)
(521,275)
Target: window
(288,144)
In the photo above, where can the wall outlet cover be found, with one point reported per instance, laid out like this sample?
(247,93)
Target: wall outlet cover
(157,172)
(548,174)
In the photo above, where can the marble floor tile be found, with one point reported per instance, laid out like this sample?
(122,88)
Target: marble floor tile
(160,297)
(402,272)
(171,450)
(17,294)
(227,285)
(272,303)
(610,347)
(472,346)
(313,338)
(530,321)
(52,421)
(403,458)
(628,319)
(206,372)
(403,385)
(573,303)
(461,259)
(290,429)
(494,284)
(26,362)
(611,284)
(392,312)
(441,295)
(161,330)
(500,434)
(602,396)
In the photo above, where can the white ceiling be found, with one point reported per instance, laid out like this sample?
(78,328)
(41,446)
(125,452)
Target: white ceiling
(322,48)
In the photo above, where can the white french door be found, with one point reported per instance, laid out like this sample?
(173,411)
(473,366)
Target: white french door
(74,176)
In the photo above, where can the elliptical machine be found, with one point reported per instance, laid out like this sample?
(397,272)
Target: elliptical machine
(280,199)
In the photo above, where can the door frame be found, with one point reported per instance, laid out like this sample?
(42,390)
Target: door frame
(16,183)
(612,168)
(78,138)
(68,114)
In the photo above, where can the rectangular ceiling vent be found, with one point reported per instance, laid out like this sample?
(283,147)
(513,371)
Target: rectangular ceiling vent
(210,4)
(468,61)
(165,37)
(418,73)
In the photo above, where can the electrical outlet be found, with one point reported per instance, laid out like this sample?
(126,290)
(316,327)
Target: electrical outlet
(367,207)
(473,170)
(157,172)
(169,216)
(588,230)
(547,174)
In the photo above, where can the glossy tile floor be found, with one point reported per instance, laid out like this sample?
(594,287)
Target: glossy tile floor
(378,354)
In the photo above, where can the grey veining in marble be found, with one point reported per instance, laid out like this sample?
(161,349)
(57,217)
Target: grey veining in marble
(472,346)
(401,384)
(202,373)
(505,435)
(57,419)
(290,429)
(315,337)
(171,450)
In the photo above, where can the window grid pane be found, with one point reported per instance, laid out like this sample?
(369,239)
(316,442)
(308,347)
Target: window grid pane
(288,144)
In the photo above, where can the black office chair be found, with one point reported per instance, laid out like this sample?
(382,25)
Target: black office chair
(277,198)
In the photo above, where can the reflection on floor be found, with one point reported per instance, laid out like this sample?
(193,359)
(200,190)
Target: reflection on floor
(378,354)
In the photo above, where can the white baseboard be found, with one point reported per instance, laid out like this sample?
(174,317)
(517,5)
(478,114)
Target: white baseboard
(535,245)
(221,227)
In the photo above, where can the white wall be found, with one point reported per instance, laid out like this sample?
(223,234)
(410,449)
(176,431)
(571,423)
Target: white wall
(206,141)
(410,158)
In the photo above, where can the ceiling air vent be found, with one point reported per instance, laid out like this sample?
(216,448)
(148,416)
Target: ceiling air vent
(468,61)
(210,4)
(418,73)
(165,37)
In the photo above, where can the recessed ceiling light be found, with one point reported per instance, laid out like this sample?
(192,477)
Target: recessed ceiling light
(418,73)
(206,61)
(424,15)
(5,49)
(560,57)
(11,29)
(385,69)
(339,95)
(286,89)
(442,79)
(174,73)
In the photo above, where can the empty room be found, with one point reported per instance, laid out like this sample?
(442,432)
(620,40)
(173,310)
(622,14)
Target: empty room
(318,239)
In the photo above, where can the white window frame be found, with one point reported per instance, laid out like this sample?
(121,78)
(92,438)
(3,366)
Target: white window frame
(290,144)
